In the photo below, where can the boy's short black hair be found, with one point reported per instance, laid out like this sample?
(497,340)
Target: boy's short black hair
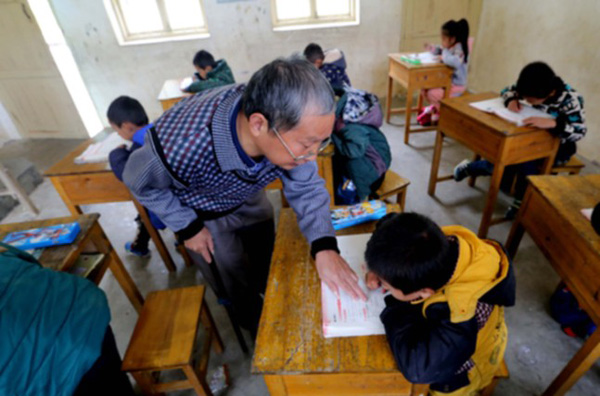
(537,80)
(313,52)
(203,59)
(410,252)
(126,109)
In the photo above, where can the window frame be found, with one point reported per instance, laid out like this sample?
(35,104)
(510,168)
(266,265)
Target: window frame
(117,19)
(314,21)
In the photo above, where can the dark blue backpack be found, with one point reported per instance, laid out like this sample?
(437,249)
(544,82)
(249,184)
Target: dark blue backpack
(565,309)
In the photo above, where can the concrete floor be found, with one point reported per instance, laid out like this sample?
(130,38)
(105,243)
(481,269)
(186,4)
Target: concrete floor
(537,348)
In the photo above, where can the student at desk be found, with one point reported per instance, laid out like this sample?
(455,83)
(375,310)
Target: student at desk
(538,85)
(206,162)
(331,63)
(209,73)
(444,319)
(128,118)
(454,52)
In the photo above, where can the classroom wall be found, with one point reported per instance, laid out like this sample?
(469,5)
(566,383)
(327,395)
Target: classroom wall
(241,32)
(562,33)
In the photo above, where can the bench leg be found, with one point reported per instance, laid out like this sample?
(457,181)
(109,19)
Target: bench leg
(401,199)
(146,383)
(209,323)
(199,384)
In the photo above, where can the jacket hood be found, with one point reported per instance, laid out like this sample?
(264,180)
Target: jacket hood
(335,57)
(483,273)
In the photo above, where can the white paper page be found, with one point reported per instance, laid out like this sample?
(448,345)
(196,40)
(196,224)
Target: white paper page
(98,152)
(587,213)
(345,316)
(497,107)
(428,57)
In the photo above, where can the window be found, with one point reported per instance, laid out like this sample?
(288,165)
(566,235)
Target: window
(150,21)
(307,14)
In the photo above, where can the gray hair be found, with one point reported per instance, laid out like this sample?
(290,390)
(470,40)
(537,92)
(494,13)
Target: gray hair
(284,89)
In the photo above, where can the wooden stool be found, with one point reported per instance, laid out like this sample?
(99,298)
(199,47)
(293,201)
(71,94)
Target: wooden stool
(501,373)
(393,184)
(165,339)
(573,167)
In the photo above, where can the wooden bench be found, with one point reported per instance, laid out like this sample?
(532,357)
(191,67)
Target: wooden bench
(393,185)
(573,167)
(164,339)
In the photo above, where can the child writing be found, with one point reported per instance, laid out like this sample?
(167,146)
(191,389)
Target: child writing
(454,52)
(128,118)
(209,73)
(444,319)
(542,88)
(331,63)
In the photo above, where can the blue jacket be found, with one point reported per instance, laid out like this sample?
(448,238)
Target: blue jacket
(52,325)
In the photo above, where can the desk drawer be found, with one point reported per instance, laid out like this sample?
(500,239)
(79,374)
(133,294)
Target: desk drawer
(92,188)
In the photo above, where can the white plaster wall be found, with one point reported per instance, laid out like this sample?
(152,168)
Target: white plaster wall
(241,32)
(562,33)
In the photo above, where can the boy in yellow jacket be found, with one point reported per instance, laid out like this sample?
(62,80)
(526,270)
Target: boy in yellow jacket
(444,319)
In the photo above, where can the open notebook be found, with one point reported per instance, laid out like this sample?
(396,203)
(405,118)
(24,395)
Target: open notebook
(344,316)
(98,152)
(496,106)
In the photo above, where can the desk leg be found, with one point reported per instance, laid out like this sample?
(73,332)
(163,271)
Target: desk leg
(579,364)
(435,163)
(517,230)
(409,99)
(160,244)
(388,105)
(275,385)
(74,209)
(490,202)
(116,266)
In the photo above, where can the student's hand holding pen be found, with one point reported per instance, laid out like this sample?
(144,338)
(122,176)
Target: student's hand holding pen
(514,105)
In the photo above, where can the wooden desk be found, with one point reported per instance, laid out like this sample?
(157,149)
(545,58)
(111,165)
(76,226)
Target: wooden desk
(550,213)
(86,184)
(492,138)
(415,77)
(170,94)
(91,238)
(291,352)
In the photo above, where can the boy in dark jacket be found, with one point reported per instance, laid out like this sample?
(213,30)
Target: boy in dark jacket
(538,85)
(331,63)
(444,319)
(128,118)
(209,73)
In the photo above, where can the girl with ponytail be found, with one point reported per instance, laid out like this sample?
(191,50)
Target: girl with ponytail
(454,52)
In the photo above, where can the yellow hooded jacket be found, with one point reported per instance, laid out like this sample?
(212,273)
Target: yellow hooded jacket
(433,338)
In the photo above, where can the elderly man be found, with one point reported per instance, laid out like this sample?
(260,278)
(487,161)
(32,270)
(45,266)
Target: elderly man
(204,167)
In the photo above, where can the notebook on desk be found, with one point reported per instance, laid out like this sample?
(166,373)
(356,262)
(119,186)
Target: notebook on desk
(98,152)
(421,58)
(496,106)
(344,316)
